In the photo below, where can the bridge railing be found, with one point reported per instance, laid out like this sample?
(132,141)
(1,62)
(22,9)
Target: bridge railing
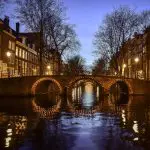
(13,75)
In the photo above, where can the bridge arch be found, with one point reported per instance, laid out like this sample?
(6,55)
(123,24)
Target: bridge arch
(36,83)
(130,88)
(76,79)
(119,91)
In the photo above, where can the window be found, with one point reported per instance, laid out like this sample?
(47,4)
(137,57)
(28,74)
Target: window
(144,49)
(129,61)
(9,44)
(20,51)
(16,51)
(13,45)
(23,54)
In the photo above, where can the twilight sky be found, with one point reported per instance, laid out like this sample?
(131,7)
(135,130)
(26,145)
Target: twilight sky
(87,16)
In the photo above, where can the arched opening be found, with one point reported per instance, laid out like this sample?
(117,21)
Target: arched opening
(37,86)
(119,93)
(47,92)
(85,93)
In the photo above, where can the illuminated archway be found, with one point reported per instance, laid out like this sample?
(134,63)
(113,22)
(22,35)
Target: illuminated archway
(34,86)
(84,78)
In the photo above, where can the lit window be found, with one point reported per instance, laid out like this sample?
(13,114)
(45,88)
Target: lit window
(20,51)
(9,44)
(16,51)
(23,55)
(13,46)
(144,49)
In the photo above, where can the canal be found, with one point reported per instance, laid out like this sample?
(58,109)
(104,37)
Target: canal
(86,119)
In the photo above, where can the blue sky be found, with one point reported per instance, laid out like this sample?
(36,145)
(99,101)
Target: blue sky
(87,15)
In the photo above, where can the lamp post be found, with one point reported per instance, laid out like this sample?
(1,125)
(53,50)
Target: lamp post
(136,61)
(8,54)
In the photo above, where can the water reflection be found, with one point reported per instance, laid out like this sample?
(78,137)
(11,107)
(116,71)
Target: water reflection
(48,113)
(12,130)
(118,93)
(32,126)
(86,94)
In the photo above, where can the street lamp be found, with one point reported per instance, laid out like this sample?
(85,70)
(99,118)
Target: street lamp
(48,67)
(136,61)
(8,54)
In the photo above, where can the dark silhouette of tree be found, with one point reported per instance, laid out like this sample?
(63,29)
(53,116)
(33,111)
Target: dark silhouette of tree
(75,66)
(144,19)
(99,67)
(47,18)
(2,4)
(117,28)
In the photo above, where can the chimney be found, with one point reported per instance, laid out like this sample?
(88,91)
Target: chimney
(6,20)
(17,27)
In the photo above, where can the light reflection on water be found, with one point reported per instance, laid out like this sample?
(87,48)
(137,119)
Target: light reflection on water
(87,122)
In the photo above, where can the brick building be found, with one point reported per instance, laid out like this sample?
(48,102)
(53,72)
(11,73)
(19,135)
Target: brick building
(19,53)
(135,56)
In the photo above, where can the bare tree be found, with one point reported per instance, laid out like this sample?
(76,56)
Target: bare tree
(61,37)
(33,14)
(144,19)
(75,66)
(47,17)
(2,4)
(99,67)
(116,29)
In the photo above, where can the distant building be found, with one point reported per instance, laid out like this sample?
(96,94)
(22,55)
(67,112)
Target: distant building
(19,53)
(135,56)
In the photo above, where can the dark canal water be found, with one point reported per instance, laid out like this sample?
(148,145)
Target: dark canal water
(86,120)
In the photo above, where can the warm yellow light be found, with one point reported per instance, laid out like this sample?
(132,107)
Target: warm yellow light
(9,130)
(8,54)
(135,127)
(48,67)
(124,65)
(34,70)
(136,59)
(7,140)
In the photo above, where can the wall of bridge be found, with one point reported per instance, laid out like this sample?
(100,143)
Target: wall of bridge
(23,86)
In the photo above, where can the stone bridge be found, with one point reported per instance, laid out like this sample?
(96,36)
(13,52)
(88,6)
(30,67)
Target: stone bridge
(26,86)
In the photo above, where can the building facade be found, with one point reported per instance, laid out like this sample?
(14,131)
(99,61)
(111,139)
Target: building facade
(135,56)
(19,53)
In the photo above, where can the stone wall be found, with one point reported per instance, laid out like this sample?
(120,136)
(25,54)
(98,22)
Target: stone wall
(22,86)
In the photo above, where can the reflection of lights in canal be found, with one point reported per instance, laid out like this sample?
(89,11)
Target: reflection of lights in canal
(46,113)
(136,139)
(8,139)
(16,128)
(123,115)
(85,94)
(135,127)
(89,88)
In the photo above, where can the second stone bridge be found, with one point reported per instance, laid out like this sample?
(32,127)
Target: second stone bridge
(25,86)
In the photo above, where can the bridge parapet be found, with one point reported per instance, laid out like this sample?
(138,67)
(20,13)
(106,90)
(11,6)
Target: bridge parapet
(25,86)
